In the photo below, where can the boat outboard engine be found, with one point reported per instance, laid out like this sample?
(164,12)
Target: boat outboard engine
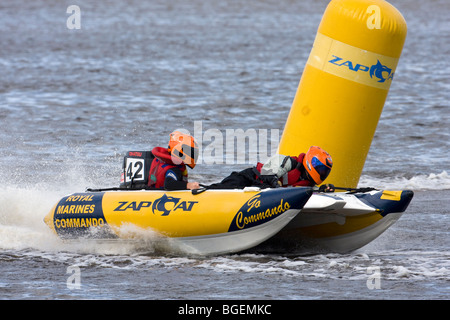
(135,169)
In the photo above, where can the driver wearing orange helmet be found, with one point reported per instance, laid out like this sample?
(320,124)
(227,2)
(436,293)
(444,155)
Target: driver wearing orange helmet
(168,169)
(307,169)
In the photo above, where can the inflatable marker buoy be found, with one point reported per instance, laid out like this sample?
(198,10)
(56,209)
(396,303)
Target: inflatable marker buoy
(345,83)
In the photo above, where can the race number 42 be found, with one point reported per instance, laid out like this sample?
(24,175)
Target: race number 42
(135,169)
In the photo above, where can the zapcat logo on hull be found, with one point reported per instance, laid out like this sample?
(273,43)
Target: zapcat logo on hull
(162,206)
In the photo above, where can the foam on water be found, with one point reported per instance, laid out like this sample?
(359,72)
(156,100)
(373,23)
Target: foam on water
(432,181)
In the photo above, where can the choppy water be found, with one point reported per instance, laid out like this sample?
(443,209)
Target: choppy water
(72,101)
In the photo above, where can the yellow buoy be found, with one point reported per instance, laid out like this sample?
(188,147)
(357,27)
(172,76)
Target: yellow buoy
(345,84)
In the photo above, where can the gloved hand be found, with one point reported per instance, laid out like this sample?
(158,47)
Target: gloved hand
(271,180)
(327,188)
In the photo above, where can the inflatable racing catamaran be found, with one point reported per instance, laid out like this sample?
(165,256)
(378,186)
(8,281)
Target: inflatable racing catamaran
(226,221)
(337,106)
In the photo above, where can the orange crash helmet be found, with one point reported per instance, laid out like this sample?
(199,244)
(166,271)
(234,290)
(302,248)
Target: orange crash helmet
(183,148)
(317,163)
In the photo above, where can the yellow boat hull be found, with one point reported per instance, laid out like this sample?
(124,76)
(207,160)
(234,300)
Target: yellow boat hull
(226,221)
(215,221)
